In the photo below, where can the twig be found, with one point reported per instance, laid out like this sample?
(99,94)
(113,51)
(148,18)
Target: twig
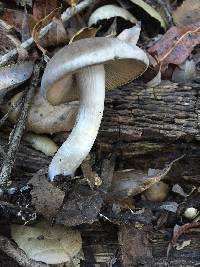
(64,17)
(3,153)
(9,247)
(12,107)
(19,128)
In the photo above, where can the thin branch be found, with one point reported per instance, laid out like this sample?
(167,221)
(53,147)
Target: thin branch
(3,153)
(64,17)
(19,129)
(10,248)
(13,107)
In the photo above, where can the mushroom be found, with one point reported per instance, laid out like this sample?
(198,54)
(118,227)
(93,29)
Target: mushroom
(60,118)
(96,63)
(110,11)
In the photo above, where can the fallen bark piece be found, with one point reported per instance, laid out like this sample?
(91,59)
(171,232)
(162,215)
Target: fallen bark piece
(46,198)
(135,248)
(81,206)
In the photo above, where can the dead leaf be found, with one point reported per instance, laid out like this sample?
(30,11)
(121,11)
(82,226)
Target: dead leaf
(151,11)
(155,81)
(42,8)
(185,243)
(179,190)
(84,33)
(128,183)
(176,45)
(13,75)
(45,118)
(169,206)
(130,35)
(187,13)
(44,242)
(72,2)
(15,18)
(56,36)
(184,72)
(81,206)
(38,26)
(46,198)
(179,231)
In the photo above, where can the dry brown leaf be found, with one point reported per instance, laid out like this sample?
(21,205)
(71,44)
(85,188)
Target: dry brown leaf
(45,118)
(42,8)
(46,198)
(187,13)
(56,36)
(176,45)
(15,18)
(13,75)
(132,182)
(72,2)
(84,33)
(43,22)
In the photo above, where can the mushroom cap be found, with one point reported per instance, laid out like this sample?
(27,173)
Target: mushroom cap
(122,61)
(110,11)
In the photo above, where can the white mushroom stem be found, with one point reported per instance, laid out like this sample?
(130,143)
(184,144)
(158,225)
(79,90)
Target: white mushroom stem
(91,82)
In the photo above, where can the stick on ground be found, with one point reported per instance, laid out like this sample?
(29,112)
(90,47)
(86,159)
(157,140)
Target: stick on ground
(19,129)
(64,17)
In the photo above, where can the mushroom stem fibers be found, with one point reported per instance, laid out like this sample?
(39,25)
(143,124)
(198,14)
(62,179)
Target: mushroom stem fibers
(91,81)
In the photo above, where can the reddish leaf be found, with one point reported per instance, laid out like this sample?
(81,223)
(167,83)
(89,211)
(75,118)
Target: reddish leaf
(16,17)
(176,45)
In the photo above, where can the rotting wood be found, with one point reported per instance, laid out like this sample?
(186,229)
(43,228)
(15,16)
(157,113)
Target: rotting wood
(133,128)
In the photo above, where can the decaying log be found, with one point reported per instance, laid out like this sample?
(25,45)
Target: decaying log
(144,128)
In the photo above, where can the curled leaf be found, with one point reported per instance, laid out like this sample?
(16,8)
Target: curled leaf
(84,33)
(132,182)
(13,75)
(43,22)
